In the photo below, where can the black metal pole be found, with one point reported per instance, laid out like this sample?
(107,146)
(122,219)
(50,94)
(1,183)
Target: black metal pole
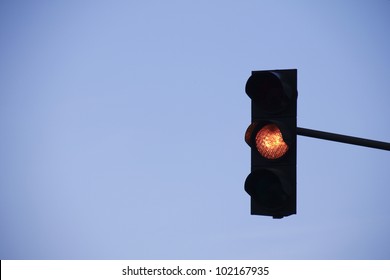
(343,138)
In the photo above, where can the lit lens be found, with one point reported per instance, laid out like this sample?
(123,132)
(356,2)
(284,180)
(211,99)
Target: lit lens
(270,143)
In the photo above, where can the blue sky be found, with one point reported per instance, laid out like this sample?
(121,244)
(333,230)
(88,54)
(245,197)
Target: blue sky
(122,128)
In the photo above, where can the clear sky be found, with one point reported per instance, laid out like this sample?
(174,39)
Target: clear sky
(122,128)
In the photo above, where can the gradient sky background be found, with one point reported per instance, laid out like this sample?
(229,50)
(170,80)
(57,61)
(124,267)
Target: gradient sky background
(122,128)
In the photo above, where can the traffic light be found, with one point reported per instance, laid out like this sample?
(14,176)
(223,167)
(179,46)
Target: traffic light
(272,137)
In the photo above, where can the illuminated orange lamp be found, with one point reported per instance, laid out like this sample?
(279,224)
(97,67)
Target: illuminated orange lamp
(270,143)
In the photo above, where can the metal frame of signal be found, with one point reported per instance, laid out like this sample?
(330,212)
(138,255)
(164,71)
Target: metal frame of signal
(343,138)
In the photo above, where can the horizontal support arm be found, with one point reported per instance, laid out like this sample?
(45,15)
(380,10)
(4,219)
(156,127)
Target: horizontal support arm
(343,138)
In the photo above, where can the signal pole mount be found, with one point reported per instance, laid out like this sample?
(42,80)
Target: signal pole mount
(343,138)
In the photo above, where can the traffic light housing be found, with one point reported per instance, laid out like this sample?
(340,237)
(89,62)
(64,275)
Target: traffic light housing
(272,137)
